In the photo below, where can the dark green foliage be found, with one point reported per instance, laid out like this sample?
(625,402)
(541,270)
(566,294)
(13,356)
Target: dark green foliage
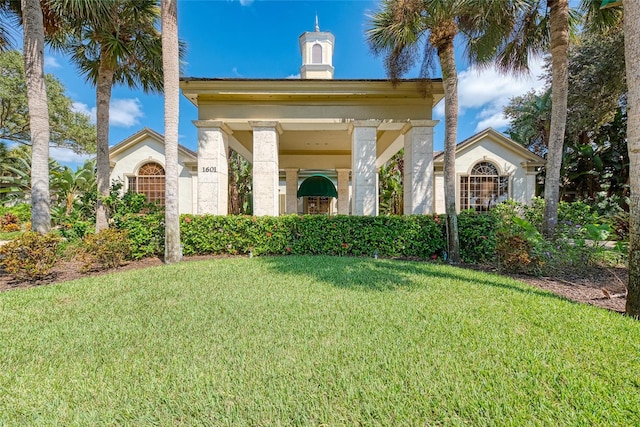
(106,249)
(477,236)
(393,236)
(76,230)
(145,233)
(31,256)
(21,210)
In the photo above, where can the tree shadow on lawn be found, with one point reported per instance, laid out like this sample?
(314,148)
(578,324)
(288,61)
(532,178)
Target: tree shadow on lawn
(366,274)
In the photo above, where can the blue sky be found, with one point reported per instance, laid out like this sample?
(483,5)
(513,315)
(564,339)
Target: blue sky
(259,39)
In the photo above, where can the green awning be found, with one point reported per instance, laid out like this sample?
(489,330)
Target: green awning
(610,3)
(317,185)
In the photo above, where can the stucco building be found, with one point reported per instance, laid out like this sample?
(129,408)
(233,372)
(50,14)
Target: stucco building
(316,143)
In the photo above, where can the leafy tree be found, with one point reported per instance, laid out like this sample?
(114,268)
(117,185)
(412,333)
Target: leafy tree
(594,155)
(119,45)
(171,72)
(544,27)
(530,117)
(632,58)
(67,128)
(409,30)
(69,186)
(390,178)
(15,181)
(240,184)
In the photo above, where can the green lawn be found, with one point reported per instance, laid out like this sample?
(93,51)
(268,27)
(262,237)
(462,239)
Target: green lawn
(312,341)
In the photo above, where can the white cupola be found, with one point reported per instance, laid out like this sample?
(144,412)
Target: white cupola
(316,48)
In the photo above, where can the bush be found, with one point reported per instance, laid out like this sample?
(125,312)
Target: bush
(391,236)
(9,222)
(76,230)
(106,249)
(31,256)
(21,210)
(145,233)
(477,233)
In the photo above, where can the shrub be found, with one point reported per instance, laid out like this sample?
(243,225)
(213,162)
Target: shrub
(76,230)
(21,210)
(106,249)
(9,222)
(477,233)
(145,233)
(31,256)
(391,236)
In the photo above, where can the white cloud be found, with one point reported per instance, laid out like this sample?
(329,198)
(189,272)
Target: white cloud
(68,157)
(124,112)
(489,91)
(293,76)
(246,2)
(484,94)
(51,62)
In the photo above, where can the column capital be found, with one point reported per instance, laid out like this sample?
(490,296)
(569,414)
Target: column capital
(418,123)
(343,170)
(212,124)
(367,123)
(266,124)
(291,170)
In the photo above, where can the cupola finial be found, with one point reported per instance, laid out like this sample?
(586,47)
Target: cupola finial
(317,26)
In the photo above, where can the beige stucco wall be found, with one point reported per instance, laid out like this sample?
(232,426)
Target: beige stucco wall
(128,161)
(508,162)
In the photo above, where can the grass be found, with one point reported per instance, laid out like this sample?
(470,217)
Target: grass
(312,341)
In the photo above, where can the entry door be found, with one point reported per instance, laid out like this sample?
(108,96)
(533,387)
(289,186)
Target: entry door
(317,205)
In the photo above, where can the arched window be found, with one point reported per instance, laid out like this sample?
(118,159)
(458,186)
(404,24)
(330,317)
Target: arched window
(149,181)
(316,54)
(483,188)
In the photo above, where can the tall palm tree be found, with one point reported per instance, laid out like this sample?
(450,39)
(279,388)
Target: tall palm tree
(408,30)
(171,66)
(33,27)
(544,26)
(119,45)
(632,63)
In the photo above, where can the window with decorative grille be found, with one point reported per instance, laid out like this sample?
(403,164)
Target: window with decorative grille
(150,182)
(483,188)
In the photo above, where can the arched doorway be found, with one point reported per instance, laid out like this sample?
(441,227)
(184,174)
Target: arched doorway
(317,192)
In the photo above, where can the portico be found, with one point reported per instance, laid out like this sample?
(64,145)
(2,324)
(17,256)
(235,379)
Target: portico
(351,127)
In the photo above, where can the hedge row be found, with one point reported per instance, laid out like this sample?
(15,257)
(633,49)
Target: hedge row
(413,236)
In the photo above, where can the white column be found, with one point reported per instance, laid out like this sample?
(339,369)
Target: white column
(265,168)
(343,191)
(364,177)
(292,191)
(418,167)
(213,167)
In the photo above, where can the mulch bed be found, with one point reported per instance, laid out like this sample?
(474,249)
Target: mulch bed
(601,287)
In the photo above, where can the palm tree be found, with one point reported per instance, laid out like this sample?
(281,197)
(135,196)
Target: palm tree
(119,45)
(407,30)
(69,186)
(171,67)
(632,60)
(33,27)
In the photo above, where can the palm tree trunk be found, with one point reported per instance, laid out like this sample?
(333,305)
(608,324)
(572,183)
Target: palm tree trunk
(632,58)
(559,22)
(103,167)
(450,77)
(38,114)
(171,69)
